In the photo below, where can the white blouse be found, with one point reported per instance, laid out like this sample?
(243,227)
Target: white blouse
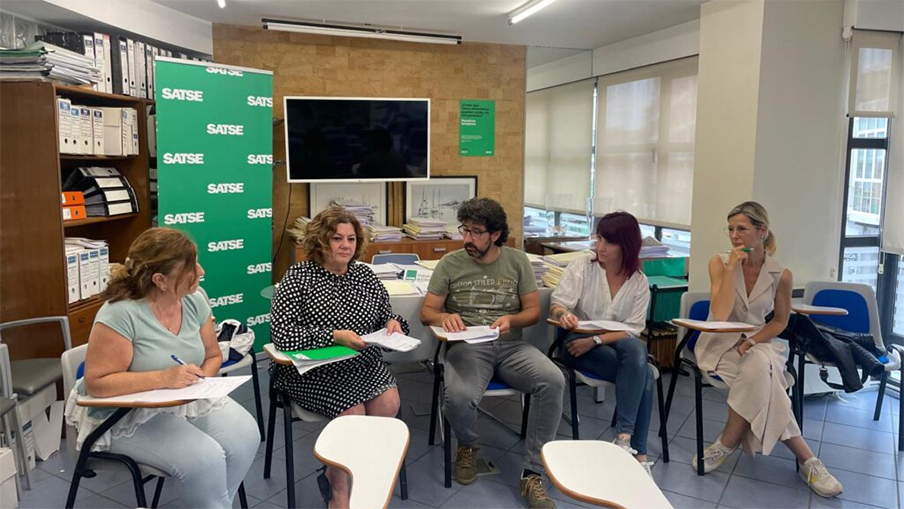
(584,291)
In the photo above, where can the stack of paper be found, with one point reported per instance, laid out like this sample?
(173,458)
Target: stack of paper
(563,259)
(424,228)
(299,228)
(306,360)
(428,264)
(452,232)
(603,325)
(67,66)
(396,287)
(540,267)
(396,341)
(385,270)
(552,276)
(23,64)
(362,211)
(473,334)
(205,388)
(383,233)
(652,248)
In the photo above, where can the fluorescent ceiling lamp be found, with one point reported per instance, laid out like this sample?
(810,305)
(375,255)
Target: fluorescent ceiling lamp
(221,3)
(532,7)
(368,31)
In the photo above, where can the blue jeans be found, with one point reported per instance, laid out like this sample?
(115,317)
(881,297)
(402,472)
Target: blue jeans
(207,456)
(623,363)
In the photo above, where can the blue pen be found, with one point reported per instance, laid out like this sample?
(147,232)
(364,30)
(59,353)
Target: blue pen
(180,361)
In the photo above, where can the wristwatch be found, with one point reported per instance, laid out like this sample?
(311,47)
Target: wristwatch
(598,340)
(751,341)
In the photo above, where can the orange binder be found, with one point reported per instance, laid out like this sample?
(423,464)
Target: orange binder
(74,212)
(73,198)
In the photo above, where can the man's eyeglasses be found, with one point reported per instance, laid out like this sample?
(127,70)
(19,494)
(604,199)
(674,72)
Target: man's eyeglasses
(464,230)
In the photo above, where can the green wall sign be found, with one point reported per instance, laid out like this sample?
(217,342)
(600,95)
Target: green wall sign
(477,128)
(215,179)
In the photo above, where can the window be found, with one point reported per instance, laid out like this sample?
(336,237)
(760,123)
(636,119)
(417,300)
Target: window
(537,220)
(574,223)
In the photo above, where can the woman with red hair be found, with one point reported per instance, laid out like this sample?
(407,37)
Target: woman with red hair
(608,285)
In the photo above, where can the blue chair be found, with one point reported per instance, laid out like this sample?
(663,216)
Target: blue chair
(400,258)
(495,388)
(863,316)
(577,376)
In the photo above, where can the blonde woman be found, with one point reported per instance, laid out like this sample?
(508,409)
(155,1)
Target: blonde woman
(747,284)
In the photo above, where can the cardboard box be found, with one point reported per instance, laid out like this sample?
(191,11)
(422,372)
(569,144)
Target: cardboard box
(8,495)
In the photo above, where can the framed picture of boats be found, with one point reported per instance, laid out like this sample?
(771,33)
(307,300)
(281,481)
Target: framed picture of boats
(438,197)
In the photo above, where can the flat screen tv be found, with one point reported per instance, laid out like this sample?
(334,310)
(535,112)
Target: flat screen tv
(330,139)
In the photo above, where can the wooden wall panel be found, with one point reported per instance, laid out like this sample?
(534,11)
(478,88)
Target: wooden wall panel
(339,66)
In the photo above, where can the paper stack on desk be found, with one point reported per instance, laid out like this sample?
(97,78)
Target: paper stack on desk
(385,271)
(424,228)
(396,341)
(362,211)
(539,266)
(383,233)
(472,335)
(652,248)
(206,388)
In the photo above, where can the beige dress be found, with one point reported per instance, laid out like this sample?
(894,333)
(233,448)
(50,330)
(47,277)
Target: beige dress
(757,385)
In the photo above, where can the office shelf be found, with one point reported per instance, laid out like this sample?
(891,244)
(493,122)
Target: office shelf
(94,220)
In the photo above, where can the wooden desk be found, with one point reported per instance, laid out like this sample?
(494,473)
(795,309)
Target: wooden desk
(602,474)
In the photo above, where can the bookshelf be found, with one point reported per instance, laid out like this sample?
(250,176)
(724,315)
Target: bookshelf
(32,230)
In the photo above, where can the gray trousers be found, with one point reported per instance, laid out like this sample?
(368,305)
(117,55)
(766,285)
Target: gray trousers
(468,370)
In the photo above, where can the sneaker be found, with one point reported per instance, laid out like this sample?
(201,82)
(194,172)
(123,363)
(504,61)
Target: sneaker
(818,478)
(713,456)
(466,464)
(533,491)
(626,445)
(647,467)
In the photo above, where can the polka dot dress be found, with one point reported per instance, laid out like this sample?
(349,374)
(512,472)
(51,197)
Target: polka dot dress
(309,305)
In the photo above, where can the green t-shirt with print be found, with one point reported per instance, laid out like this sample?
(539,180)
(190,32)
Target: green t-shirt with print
(482,293)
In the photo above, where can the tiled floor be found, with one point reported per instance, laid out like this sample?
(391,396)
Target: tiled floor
(859,451)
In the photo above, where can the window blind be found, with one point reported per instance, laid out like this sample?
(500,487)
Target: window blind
(645,142)
(893,225)
(875,59)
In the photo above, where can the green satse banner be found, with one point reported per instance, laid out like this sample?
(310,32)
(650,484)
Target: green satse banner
(477,128)
(215,180)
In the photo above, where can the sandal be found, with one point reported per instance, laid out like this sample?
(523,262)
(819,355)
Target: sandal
(323,483)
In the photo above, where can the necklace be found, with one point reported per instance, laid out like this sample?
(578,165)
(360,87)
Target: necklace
(168,324)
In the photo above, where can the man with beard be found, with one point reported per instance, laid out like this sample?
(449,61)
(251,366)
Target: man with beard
(487,283)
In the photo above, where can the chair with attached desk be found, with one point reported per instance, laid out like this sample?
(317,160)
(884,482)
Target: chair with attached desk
(849,307)
(34,381)
(579,377)
(495,388)
(373,465)
(600,473)
(292,412)
(87,460)
(400,258)
(9,413)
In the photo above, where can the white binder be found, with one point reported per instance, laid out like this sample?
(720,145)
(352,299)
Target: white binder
(126,132)
(104,267)
(133,68)
(102,61)
(75,129)
(88,44)
(86,130)
(64,121)
(72,277)
(94,270)
(112,131)
(84,269)
(97,131)
(140,63)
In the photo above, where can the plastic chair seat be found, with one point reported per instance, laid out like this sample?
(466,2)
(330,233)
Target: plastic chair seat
(306,415)
(31,375)
(230,366)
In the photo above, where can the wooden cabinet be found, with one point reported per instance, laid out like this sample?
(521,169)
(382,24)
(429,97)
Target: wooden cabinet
(32,231)
(425,249)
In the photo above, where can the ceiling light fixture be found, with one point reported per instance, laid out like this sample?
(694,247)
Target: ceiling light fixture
(527,9)
(221,3)
(349,30)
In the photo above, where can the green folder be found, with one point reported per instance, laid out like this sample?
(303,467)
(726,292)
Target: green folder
(334,352)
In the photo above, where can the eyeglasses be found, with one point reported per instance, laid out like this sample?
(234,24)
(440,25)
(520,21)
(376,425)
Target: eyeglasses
(464,230)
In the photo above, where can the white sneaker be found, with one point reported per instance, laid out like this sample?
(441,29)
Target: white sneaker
(626,445)
(647,467)
(818,478)
(713,456)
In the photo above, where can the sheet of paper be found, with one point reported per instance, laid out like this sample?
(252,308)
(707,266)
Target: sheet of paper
(396,287)
(712,326)
(430,264)
(397,341)
(474,334)
(207,388)
(606,325)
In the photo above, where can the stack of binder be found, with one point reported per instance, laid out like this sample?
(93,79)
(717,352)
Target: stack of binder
(73,203)
(540,267)
(87,267)
(424,228)
(106,191)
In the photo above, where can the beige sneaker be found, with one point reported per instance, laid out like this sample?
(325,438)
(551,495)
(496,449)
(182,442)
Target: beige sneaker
(818,478)
(713,456)
(533,491)
(466,464)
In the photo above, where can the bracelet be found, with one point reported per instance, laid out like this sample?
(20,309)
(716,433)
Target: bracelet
(751,341)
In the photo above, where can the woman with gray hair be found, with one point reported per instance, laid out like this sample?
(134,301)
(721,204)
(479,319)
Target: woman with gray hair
(746,285)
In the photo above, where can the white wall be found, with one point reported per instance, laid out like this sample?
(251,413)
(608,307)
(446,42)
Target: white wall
(727,102)
(875,14)
(141,17)
(672,43)
(799,160)
(561,71)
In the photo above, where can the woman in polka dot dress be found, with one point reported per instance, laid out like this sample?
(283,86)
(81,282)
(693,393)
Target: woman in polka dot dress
(330,299)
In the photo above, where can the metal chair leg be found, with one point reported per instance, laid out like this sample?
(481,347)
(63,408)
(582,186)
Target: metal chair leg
(403,481)
(243,499)
(663,431)
(290,465)
(20,444)
(434,402)
(698,396)
(157,491)
(801,377)
(901,416)
(257,395)
(573,390)
(525,414)
(271,428)
(447,453)
(883,381)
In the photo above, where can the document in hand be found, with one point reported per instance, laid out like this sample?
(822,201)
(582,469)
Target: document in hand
(713,326)
(396,341)
(603,325)
(306,360)
(473,334)
(206,388)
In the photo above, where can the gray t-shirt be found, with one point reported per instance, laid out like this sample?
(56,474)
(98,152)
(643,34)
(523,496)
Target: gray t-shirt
(152,343)
(482,293)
